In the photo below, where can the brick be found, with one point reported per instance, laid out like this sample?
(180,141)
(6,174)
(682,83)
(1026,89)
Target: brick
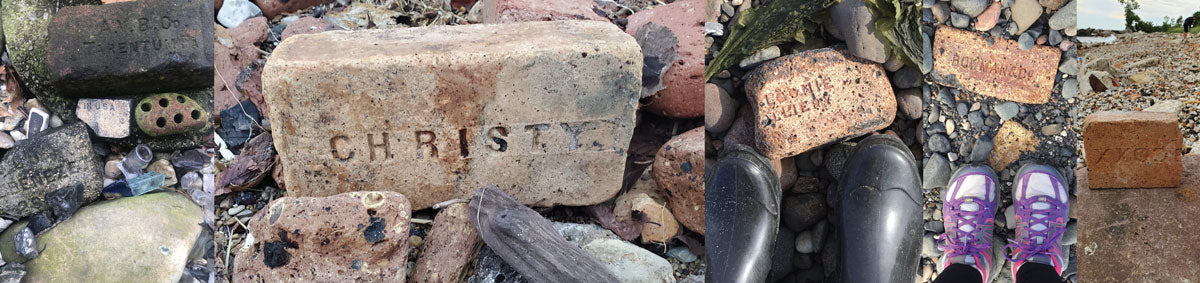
(131,47)
(1139,235)
(812,98)
(510,11)
(1011,140)
(1002,70)
(107,118)
(545,110)
(1132,149)
(684,88)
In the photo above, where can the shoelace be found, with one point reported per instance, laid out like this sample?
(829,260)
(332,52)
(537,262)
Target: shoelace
(1028,247)
(966,244)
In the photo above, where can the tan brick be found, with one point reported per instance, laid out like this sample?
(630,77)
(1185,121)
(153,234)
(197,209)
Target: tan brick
(1132,149)
(967,60)
(812,98)
(545,111)
(1011,140)
(511,11)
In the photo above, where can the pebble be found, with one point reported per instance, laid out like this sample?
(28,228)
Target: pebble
(759,57)
(682,254)
(1064,18)
(856,25)
(1026,41)
(1070,235)
(1010,217)
(1069,66)
(936,226)
(1052,129)
(981,149)
(963,109)
(7,141)
(802,211)
(1055,38)
(970,7)
(233,12)
(929,247)
(959,20)
(936,172)
(1024,13)
(941,11)
(907,77)
(714,29)
(235,210)
(989,17)
(909,102)
(974,119)
(1007,110)
(938,143)
(719,109)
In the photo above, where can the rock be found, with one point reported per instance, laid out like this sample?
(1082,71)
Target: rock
(1013,74)
(835,158)
(1006,110)
(1010,218)
(719,109)
(1144,63)
(1070,88)
(936,173)
(452,236)
(25,245)
(1070,235)
(272,8)
(909,102)
(508,11)
(941,11)
(982,149)
(802,211)
(12,272)
(629,262)
(806,184)
(661,225)
(1064,18)
(1168,106)
(682,254)
(163,166)
(959,20)
(580,131)
(490,268)
(1144,77)
(989,17)
(1052,129)
(786,171)
(58,158)
(164,49)
(679,171)
(1132,149)
(233,12)
(936,226)
(907,77)
(1024,13)
(1055,38)
(1010,142)
(681,97)
(938,143)
(781,254)
(1099,81)
(741,131)
(929,247)
(759,57)
(971,7)
(328,239)
(158,256)
(793,104)
(305,25)
(857,27)
(107,118)
(712,28)
(1069,66)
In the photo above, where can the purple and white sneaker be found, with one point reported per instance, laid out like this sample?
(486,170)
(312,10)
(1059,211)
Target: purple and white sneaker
(969,212)
(1041,203)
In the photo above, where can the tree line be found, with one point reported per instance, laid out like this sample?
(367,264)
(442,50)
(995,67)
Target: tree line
(1135,23)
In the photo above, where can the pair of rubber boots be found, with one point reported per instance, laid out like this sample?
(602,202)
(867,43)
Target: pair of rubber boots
(878,214)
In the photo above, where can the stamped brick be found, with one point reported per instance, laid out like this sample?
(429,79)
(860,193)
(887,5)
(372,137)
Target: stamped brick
(999,69)
(1011,140)
(108,118)
(544,110)
(131,47)
(509,11)
(1132,149)
(812,98)
(1139,235)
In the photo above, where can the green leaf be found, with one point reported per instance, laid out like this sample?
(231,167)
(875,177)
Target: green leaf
(898,23)
(761,27)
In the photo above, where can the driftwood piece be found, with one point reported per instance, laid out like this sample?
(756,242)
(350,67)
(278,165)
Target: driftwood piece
(528,242)
(453,244)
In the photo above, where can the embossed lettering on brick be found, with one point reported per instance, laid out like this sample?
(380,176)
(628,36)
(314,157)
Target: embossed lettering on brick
(544,110)
(1133,149)
(994,67)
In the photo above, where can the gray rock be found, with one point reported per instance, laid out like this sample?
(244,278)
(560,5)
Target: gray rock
(1055,38)
(6,141)
(581,234)
(1024,13)
(946,97)
(970,7)
(25,244)
(907,77)
(57,158)
(1070,235)
(682,254)
(805,243)
(233,12)
(936,172)
(981,149)
(963,109)
(759,57)
(1169,106)
(1026,41)
(781,255)
(714,29)
(1010,218)
(802,211)
(959,20)
(1069,66)
(929,247)
(1052,129)
(835,158)
(936,226)
(1064,18)
(629,262)
(909,102)
(12,273)
(857,27)
(938,143)
(941,11)
(1006,110)
(490,268)
(975,119)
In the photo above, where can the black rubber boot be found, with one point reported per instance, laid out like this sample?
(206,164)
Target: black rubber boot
(741,212)
(879,217)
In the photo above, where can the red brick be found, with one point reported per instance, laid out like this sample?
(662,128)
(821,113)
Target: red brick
(1132,149)
(967,60)
(684,95)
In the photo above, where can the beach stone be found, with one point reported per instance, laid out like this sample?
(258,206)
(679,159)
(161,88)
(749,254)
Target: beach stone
(970,7)
(797,109)
(1024,13)
(1099,81)
(1007,110)
(452,236)
(936,173)
(133,47)
(1132,149)
(941,11)
(629,262)
(988,18)
(107,118)
(857,27)
(679,172)
(57,158)
(233,13)
(345,237)
(1010,142)
(1168,106)
(1116,246)
(159,256)
(272,8)
(508,11)
(545,105)
(909,103)
(1064,18)
(982,149)
(25,26)
(1070,88)
(965,60)
(759,57)
(681,97)
(781,254)
(959,20)
(803,210)
(1069,66)
(720,109)
(907,77)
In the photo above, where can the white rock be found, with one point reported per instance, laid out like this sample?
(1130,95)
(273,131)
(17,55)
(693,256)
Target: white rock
(233,12)
(629,262)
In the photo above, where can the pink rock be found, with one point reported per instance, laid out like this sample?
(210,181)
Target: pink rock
(272,8)
(987,19)
(305,25)
(683,96)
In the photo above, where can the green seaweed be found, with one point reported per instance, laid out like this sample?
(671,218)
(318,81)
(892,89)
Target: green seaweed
(761,27)
(898,22)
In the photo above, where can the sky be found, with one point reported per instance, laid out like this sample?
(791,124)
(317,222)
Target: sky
(1109,14)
